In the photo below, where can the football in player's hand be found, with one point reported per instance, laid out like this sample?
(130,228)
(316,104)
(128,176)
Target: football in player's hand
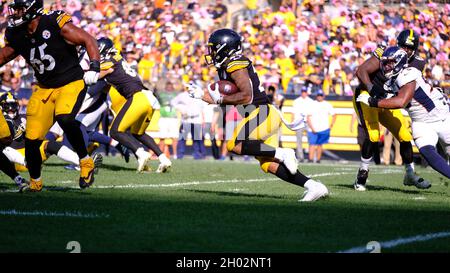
(225,87)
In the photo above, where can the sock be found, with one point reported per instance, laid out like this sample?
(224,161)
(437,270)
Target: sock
(141,152)
(75,133)
(14,156)
(409,168)
(365,162)
(435,160)
(33,157)
(7,167)
(68,155)
(406,152)
(162,157)
(100,138)
(149,142)
(257,148)
(127,140)
(114,142)
(297,179)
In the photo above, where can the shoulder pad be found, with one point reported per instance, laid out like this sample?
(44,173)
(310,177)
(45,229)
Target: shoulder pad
(378,52)
(237,63)
(61,17)
(408,75)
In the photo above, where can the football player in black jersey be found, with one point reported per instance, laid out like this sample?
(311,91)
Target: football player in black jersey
(6,166)
(258,133)
(372,81)
(131,122)
(47,41)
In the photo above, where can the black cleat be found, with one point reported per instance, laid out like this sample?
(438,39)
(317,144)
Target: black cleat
(361,179)
(124,151)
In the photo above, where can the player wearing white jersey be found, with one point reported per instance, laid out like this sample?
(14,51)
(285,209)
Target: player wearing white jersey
(428,108)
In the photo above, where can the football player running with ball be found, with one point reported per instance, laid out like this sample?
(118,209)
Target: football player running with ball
(47,41)
(257,134)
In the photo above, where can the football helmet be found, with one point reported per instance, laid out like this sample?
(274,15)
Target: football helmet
(9,105)
(23,11)
(393,60)
(106,48)
(222,45)
(408,39)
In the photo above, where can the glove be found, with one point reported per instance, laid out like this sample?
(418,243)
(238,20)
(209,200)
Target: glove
(194,90)
(367,100)
(215,94)
(91,76)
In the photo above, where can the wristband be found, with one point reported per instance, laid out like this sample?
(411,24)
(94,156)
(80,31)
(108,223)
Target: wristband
(94,66)
(373,102)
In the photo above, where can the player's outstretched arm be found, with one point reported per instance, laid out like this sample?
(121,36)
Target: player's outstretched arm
(405,95)
(78,36)
(244,95)
(7,54)
(368,67)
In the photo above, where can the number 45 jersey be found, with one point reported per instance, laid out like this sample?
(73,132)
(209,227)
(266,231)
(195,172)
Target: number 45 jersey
(54,61)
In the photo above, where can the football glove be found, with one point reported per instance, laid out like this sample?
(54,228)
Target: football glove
(367,100)
(194,90)
(91,76)
(215,94)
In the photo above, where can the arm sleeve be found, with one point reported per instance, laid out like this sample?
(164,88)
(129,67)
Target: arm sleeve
(378,52)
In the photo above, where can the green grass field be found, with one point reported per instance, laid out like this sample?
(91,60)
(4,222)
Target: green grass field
(222,207)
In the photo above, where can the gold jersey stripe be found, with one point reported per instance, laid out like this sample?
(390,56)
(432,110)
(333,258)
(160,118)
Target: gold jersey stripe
(63,19)
(106,65)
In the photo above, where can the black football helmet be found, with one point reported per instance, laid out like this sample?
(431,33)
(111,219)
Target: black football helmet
(9,105)
(106,48)
(223,44)
(393,60)
(23,11)
(408,39)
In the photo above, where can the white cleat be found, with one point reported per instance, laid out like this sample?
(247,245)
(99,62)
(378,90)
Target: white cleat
(314,191)
(359,187)
(143,158)
(287,156)
(165,164)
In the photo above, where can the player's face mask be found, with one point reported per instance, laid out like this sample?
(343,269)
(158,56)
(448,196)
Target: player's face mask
(16,15)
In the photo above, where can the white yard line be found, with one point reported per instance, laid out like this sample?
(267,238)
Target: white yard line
(400,241)
(212,182)
(73,214)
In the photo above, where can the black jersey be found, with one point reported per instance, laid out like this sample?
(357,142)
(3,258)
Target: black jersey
(124,78)
(17,128)
(55,62)
(241,62)
(378,79)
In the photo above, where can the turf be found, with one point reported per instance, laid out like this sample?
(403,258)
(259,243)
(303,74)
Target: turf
(210,206)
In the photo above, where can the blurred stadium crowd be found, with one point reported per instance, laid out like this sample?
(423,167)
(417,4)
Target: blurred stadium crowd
(309,44)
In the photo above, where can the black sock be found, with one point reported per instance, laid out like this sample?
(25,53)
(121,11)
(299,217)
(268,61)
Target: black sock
(53,147)
(126,139)
(149,142)
(406,152)
(367,149)
(33,157)
(257,148)
(297,179)
(71,128)
(7,167)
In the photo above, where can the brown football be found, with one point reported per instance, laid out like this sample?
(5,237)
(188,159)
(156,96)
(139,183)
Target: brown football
(225,87)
